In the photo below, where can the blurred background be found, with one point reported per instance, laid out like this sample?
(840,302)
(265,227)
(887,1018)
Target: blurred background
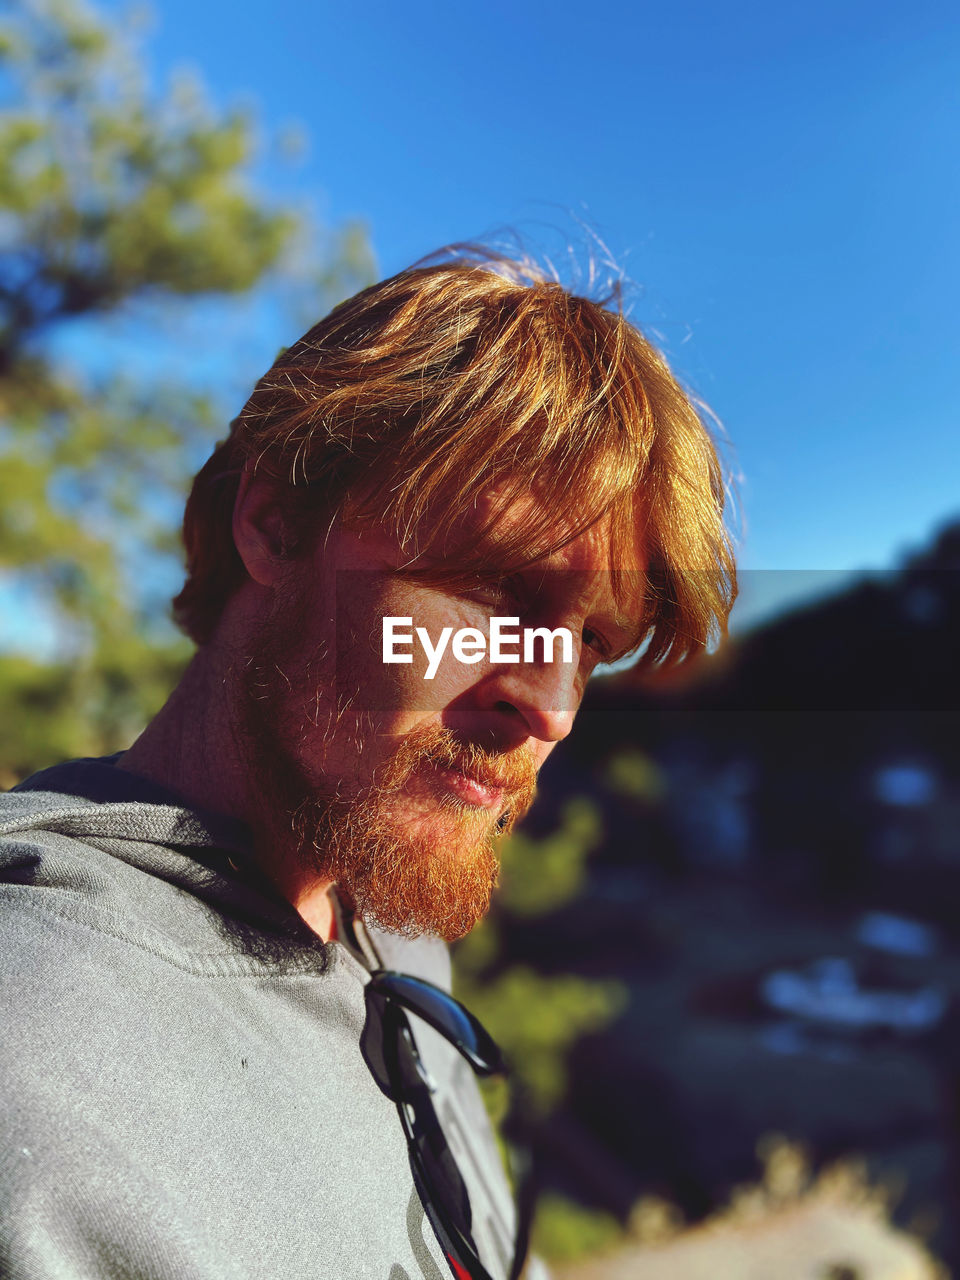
(726,955)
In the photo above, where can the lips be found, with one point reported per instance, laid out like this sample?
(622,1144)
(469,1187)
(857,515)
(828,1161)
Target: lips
(502,784)
(482,791)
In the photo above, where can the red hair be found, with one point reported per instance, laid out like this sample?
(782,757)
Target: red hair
(476,374)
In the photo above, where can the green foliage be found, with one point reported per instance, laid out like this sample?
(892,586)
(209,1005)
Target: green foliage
(536,876)
(567,1232)
(540,875)
(537,1018)
(115,205)
(91,705)
(634,774)
(109,192)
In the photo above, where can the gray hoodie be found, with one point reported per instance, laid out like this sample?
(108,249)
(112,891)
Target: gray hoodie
(183,1092)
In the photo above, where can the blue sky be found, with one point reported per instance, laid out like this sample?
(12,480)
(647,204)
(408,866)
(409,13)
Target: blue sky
(780,182)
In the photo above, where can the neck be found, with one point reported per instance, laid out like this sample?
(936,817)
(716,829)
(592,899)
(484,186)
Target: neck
(195,747)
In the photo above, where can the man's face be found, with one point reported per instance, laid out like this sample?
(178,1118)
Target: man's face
(397,786)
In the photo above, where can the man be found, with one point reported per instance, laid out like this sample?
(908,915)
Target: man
(188,929)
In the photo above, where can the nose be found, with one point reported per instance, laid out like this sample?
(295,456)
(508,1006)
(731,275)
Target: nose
(544,696)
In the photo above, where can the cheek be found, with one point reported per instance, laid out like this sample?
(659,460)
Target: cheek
(390,690)
(362,678)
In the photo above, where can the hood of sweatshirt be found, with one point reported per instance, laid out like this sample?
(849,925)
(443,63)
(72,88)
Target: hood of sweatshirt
(99,842)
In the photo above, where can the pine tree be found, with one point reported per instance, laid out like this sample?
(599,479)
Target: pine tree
(115,204)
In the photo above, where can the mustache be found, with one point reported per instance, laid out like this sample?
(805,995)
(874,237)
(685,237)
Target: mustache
(514,771)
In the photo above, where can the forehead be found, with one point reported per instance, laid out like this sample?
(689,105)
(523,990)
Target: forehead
(593,570)
(481,544)
(594,549)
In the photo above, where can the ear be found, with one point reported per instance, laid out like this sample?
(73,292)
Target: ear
(260,532)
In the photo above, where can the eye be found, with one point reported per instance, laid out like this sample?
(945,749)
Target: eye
(593,640)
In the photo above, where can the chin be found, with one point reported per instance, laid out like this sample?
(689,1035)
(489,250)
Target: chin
(410,874)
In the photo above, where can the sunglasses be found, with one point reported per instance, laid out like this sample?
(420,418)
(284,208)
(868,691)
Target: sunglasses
(392,1054)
